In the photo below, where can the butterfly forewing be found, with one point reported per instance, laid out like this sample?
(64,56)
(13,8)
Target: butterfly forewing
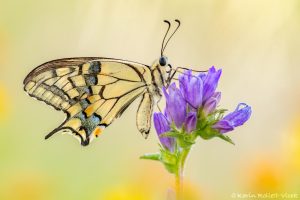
(91,91)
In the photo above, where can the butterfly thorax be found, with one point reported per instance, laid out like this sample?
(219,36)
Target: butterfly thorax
(159,79)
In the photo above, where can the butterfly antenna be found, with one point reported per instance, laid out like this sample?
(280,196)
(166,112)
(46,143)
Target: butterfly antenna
(178,25)
(162,44)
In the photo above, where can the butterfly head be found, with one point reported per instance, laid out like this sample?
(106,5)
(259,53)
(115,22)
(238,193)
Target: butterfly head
(161,70)
(163,61)
(164,65)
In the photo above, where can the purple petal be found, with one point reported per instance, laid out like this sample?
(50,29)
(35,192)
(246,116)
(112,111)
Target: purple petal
(172,85)
(241,114)
(167,115)
(175,105)
(202,76)
(162,125)
(211,104)
(223,126)
(191,121)
(211,82)
(192,88)
(236,118)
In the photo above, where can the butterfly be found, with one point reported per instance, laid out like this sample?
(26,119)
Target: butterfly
(93,91)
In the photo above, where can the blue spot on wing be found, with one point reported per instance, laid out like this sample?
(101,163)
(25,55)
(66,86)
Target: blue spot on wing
(95,67)
(87,123)
(90,124)
(91,80)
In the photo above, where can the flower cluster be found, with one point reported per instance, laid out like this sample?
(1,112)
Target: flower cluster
(192,110)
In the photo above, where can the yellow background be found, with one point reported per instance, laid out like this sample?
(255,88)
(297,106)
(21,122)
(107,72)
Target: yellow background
(256,43)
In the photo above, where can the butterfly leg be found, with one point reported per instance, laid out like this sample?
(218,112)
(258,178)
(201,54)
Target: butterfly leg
(157,104)
(190,69)
(177,70)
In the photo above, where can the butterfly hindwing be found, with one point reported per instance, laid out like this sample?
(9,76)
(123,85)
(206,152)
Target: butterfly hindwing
(144,114)
(91,91)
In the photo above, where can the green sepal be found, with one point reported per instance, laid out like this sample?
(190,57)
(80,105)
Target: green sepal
(226,138)
(173,134)
(215,116)
(201,120)
(187,140)
(184,140)
(220,111)
(207,133)
(210,133)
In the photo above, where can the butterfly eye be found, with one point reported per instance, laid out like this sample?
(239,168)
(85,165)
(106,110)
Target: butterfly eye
(162,61)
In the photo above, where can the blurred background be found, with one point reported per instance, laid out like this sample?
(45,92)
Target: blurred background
(257,45)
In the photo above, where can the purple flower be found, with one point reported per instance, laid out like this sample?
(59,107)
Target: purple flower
(211,104)
(236,118)
(191,88)
(210,82)
(195,96)
(175,105)
(191,121)
(162,125)
(199,90)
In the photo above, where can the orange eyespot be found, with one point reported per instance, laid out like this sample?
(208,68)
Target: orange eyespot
(97,131)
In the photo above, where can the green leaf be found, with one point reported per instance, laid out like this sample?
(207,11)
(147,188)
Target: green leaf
(171,168)
(168,158)
(153,156)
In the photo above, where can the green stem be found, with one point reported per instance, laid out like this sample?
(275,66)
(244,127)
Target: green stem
(179,172)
